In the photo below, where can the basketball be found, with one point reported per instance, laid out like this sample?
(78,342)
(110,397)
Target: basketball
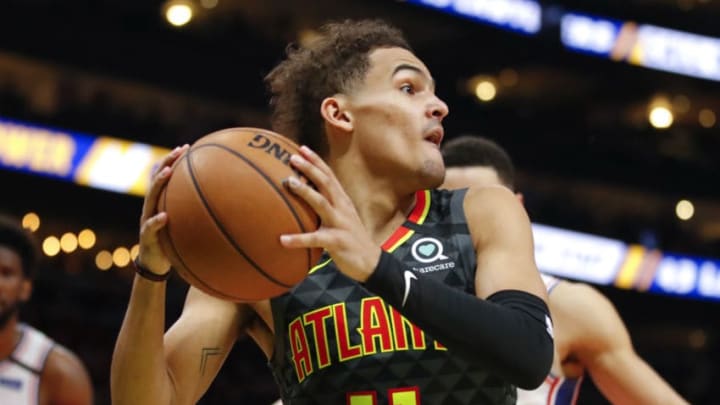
(227,208)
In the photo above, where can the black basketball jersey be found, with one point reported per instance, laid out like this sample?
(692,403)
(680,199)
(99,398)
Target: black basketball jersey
(337,343)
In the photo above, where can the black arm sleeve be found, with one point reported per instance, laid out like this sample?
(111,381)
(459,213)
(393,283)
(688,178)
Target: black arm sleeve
(509,333)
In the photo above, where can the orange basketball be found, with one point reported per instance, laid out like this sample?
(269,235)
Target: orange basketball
(227,208)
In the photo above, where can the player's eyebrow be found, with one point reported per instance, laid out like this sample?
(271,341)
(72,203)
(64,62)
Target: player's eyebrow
(407,66)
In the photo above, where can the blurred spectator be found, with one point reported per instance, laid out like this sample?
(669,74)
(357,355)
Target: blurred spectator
(33,368)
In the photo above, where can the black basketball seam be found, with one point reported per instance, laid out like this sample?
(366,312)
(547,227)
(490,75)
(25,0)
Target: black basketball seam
(217,222)
(186,268)
(270,182)
(286,142)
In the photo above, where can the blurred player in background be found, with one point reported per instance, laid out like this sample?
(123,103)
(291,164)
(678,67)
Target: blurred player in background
(590,337)
(34,370)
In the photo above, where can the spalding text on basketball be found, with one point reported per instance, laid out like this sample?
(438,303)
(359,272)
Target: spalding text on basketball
(274,149)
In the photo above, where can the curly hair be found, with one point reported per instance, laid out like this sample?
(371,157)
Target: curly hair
(470,150)
(334,62)
(20,241)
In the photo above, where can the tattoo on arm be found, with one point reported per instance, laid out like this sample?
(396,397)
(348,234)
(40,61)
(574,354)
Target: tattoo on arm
(207,352)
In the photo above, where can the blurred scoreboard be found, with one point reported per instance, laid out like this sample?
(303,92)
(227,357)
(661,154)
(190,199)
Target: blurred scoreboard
(644,45)
(606,261)
(102,162)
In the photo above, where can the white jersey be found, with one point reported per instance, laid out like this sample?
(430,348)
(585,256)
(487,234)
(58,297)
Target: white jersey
(555,390)
(20,372)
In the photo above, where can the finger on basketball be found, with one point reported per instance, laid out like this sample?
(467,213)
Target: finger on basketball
(170,158)
(314,174)
(302,240)
(315,159)
(330,183)
(312,197)
(150,228)
(158,182)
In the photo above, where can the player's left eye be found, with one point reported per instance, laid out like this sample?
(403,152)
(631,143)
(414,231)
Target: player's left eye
(407,88)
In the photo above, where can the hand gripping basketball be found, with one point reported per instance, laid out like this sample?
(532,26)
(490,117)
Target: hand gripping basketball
(226,208)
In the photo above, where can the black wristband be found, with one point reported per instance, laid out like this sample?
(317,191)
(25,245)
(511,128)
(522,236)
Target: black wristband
(147,274)
(508,334)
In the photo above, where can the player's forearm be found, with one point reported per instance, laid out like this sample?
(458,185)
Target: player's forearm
(139,372)
(507,335)
(625,378)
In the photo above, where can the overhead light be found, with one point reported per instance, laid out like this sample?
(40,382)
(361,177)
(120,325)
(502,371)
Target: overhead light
(134,251)
(660,117)
(707,118)
(68,242)
(86,238)
(179,12)
(684,210)
(31,221)
(51,246)
(660,112)
(121,257)
(485,90)
(104,260)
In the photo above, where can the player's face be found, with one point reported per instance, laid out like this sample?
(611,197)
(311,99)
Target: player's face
(472,176)
(14,287)
(397,121)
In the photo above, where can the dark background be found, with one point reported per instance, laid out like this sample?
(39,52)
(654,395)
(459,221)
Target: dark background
(575,125)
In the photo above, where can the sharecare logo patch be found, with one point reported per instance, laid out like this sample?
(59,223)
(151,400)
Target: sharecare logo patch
(427,250)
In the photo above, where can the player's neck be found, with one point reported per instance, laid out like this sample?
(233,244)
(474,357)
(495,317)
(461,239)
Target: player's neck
(381,207)
(9,336)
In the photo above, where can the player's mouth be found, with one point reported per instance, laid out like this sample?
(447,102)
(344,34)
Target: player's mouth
(435,135)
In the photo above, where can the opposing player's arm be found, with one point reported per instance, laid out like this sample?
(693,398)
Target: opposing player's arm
(599,339)
(65,379)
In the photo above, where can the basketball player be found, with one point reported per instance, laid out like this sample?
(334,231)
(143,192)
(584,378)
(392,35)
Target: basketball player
(34,370)
(590,337)
(424,296)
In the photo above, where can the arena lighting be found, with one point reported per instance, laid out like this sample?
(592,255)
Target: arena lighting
(684,210)
(31,221)
(134,251)
(121,257)
(51,246)
(68,242)
(643,45)
(522,16)
(707,118)
(179,12)
(660,117)
(86,239)
(485,91)
(104,260)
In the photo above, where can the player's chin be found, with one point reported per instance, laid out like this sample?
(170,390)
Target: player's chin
(432,173)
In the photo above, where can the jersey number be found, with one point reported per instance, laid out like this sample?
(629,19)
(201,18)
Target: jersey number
(396,396)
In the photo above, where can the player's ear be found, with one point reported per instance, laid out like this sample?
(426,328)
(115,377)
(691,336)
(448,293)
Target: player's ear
(336,114)
(520,197)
